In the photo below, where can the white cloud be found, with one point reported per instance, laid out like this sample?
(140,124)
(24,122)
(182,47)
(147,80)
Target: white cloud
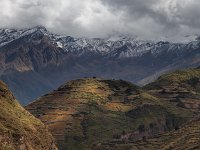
(98,18)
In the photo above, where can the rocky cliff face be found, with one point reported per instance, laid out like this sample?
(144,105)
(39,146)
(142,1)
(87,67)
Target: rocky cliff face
(19,130)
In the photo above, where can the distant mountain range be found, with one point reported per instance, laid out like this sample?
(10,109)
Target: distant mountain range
(34,61)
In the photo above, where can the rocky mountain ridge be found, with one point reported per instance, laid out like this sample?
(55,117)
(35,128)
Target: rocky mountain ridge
(110,47)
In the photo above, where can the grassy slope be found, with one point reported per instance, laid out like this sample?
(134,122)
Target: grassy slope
(86,112)
(18,128)
(187,78)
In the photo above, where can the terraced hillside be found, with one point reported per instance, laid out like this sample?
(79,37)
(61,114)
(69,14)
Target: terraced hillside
(85,112)
(181,88)
(186,138)
(19,130)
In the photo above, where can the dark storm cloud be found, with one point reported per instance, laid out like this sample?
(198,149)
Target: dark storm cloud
(166,12)
(150,19)
(162,13)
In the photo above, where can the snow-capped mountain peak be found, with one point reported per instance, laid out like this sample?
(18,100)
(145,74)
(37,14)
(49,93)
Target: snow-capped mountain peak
(113,46)
(9,35)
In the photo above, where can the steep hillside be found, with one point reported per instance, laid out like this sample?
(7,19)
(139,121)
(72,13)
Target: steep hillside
(85,112)
(37,57)
(19,130)
(187,138)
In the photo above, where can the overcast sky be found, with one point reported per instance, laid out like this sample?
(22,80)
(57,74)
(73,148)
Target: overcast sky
(149,19)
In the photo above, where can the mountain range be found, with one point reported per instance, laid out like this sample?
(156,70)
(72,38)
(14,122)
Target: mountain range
(45,60)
